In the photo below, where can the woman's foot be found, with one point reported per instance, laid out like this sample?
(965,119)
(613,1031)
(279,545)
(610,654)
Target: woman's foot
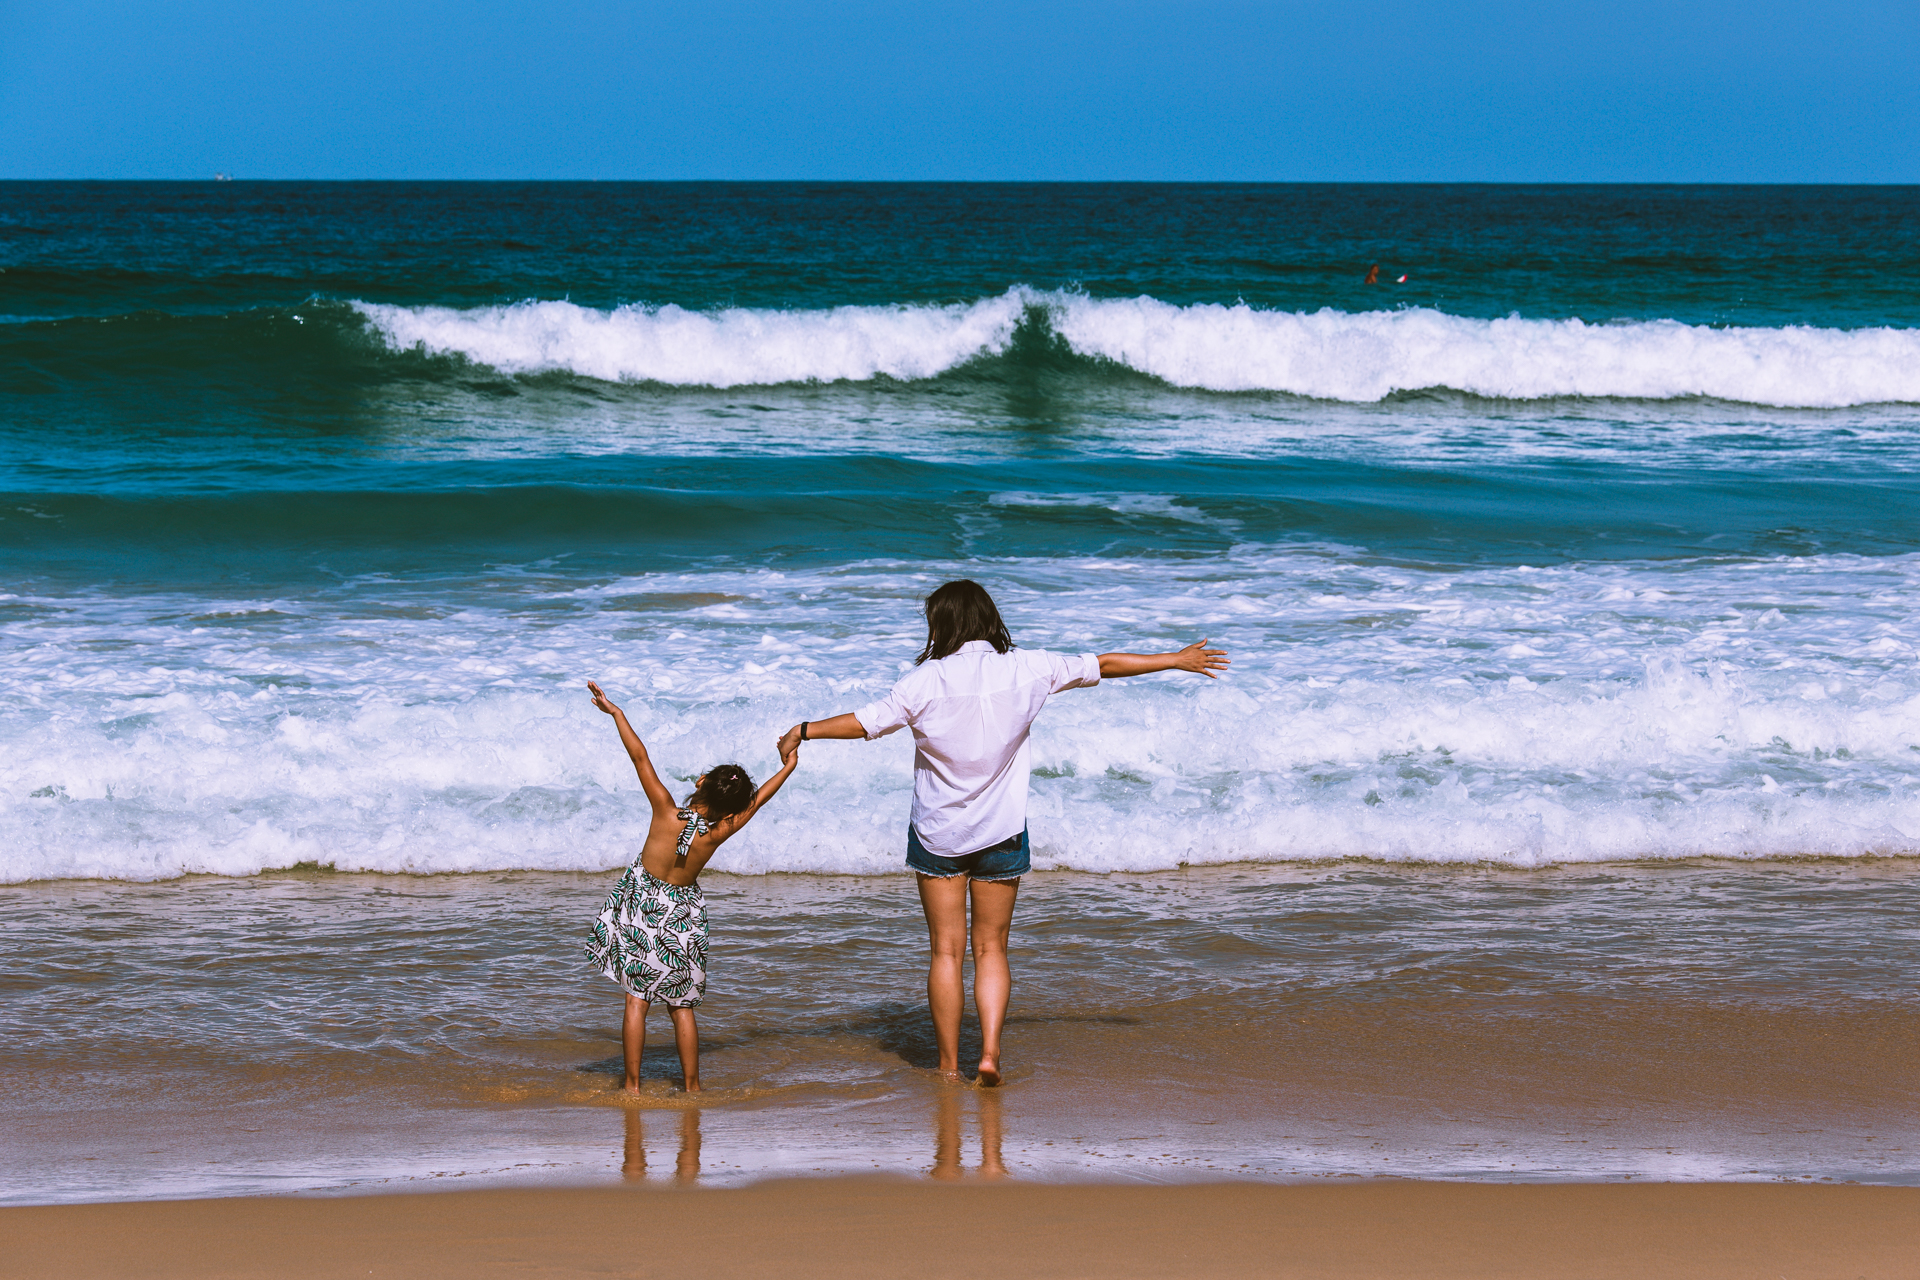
(990,1072)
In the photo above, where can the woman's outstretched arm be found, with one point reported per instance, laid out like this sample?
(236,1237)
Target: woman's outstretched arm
(657,793)
(844,725)
(1195,657)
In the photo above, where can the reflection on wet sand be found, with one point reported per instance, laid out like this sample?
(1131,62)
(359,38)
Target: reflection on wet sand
(948,1160)
(633,1166)
(686,1165)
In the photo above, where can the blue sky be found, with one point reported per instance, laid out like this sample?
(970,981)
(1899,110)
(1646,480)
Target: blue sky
(1291,90)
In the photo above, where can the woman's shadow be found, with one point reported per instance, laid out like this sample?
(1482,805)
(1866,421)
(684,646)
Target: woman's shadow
(906,1030)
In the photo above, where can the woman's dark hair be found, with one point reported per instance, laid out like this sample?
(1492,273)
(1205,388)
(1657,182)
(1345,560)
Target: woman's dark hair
(725,791)
(959,612)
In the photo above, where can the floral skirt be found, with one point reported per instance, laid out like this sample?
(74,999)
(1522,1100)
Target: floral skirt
(651,938)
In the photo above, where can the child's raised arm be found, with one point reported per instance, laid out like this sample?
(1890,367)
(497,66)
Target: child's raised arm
(657,793)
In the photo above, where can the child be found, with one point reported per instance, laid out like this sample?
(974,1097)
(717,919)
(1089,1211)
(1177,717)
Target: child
(651,937)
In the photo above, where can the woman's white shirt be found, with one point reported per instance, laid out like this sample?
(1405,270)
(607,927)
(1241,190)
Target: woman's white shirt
(970,713)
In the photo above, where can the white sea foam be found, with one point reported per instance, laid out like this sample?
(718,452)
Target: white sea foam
(1506,715)
(1331,355)
(728,348)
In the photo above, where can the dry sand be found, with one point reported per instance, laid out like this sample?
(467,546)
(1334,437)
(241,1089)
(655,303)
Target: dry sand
(862,1228)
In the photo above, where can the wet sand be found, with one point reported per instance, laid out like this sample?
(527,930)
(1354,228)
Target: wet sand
(364,1034)
(859,1228)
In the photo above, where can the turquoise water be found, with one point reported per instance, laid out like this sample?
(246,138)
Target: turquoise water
(1594,539)
(1593,542)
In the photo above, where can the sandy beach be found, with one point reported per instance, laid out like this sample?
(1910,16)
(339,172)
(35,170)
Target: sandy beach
(858,1228)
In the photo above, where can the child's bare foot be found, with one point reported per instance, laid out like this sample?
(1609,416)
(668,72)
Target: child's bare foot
(990,1072)
(632,1090)
(692,1086)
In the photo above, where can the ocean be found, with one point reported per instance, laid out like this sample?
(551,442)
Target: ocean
(1566,781)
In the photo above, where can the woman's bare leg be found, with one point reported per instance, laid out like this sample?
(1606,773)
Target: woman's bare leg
(992,977)
(633,1040)
(686,1037)
(945,902)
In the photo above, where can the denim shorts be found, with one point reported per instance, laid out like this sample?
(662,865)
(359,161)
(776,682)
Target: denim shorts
(1008,860)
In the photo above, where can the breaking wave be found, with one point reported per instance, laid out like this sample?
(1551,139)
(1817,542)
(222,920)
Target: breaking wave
(1327,354)
(1586,713)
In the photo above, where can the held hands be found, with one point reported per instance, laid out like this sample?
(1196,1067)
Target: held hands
(1197,657)
(788,744)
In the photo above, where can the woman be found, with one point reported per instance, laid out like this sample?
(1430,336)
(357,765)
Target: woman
(970,701)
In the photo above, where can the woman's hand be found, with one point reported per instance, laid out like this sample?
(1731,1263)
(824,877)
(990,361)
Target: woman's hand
(844,725)
(1195,657)
(601,700)
(1198,658)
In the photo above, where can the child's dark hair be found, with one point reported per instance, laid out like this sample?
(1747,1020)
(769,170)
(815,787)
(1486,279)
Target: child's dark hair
(958,612)
(725,791)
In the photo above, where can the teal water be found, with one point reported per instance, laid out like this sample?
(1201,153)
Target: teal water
(1585,561)
(1593,539)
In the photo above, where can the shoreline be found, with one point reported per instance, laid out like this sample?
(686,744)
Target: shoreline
(861,1227)
(1223,1024)
(327,874)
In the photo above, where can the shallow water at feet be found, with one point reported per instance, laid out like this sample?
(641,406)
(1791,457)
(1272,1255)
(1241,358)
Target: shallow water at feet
(315,1031)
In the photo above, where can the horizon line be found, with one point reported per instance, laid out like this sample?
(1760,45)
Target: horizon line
(223,179)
